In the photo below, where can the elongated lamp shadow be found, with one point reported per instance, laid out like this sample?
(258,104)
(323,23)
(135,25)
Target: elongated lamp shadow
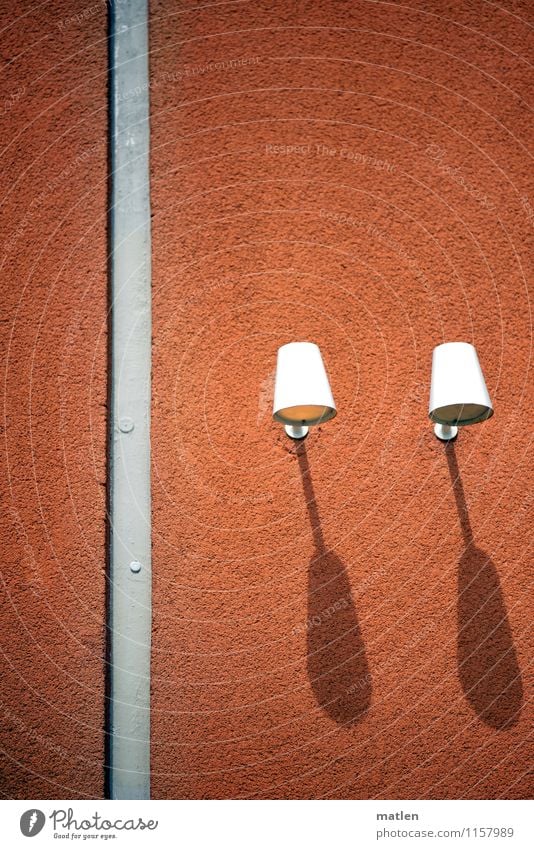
(337,662)
(487,661)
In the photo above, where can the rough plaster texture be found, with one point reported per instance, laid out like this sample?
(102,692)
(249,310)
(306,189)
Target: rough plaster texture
(352,619)
(53,331)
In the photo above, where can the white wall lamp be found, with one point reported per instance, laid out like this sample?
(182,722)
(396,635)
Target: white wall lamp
(302,394)
(458,394)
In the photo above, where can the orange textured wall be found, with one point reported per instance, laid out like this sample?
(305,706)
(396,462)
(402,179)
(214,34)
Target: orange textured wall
(53,337)
(350,619)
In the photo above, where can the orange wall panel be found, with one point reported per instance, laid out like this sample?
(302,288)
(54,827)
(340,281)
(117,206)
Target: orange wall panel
(350,619)
(53,337)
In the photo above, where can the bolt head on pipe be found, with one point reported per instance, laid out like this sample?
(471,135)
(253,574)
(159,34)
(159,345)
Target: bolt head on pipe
(458,393)
(302,394)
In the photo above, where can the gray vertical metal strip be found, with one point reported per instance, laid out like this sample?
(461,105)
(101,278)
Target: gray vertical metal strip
(129,610)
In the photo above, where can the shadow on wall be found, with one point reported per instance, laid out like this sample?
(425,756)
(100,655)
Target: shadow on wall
(487,661)
(337,662)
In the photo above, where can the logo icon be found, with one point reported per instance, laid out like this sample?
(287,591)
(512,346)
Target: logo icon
(31,822)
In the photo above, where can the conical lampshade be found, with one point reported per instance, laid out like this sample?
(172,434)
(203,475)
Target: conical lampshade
(458,394)
(302,394)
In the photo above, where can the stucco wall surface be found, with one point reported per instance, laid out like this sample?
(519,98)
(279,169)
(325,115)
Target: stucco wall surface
(53,336)
(350,619)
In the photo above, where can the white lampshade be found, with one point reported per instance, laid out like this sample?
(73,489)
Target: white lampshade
(302,394)
(458,394)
